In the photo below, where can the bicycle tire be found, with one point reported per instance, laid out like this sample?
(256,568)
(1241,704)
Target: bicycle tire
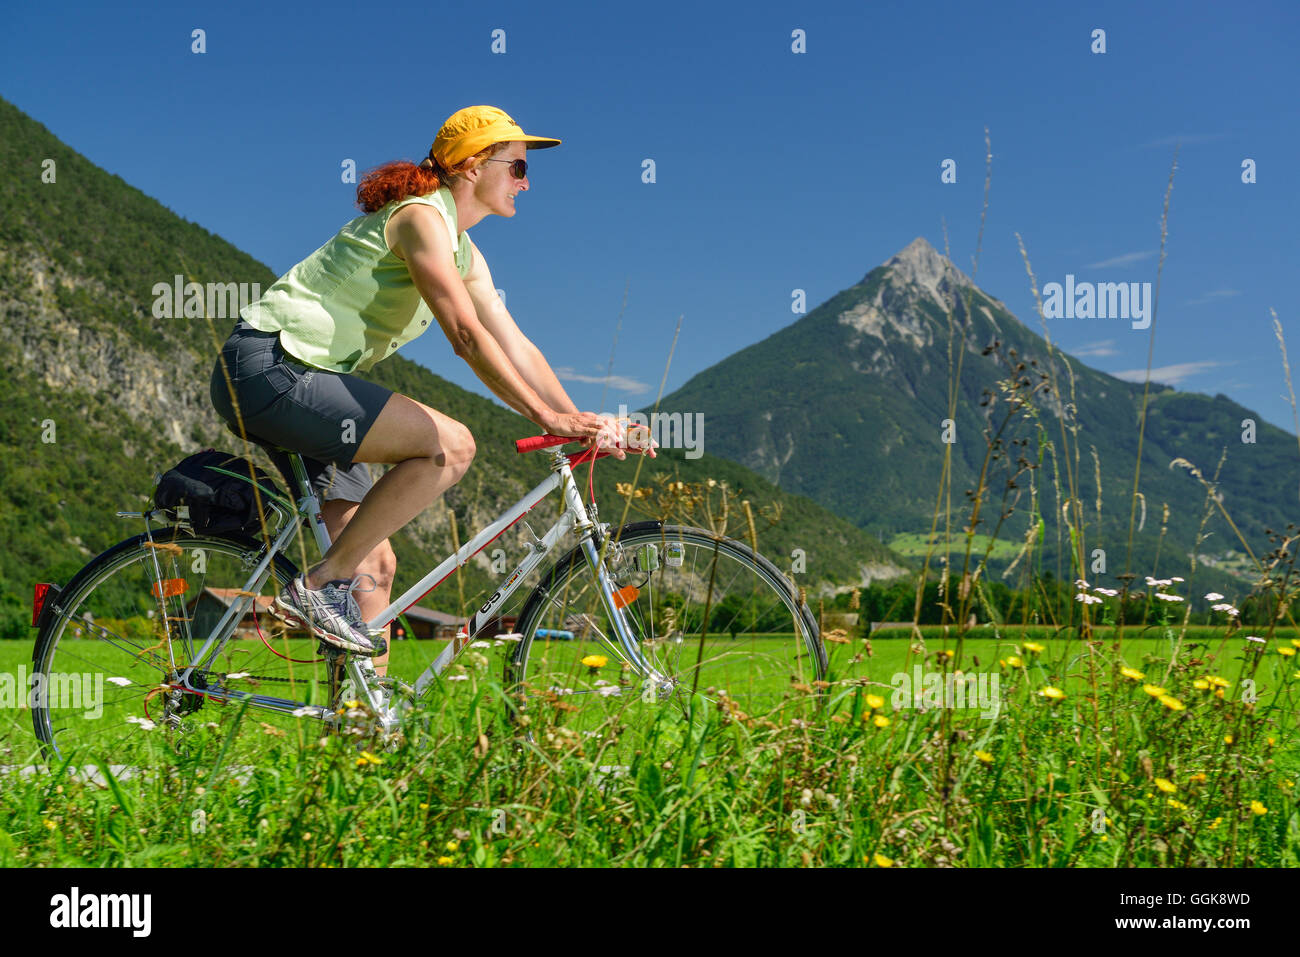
(542,606)
(116,575)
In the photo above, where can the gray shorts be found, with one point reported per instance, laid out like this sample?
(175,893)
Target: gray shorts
(322,415)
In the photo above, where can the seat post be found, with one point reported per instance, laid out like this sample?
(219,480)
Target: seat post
(308,495)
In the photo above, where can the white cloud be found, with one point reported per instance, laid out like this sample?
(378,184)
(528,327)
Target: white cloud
(1215,294)
(1101,349)
(1171,374)
(1128,259)
(620,382)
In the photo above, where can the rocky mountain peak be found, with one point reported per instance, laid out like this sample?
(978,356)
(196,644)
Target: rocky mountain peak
(921,265)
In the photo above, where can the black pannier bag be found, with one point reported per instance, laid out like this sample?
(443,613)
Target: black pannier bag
(217,503)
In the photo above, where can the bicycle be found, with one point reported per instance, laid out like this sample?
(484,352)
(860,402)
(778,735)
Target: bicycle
(163,617)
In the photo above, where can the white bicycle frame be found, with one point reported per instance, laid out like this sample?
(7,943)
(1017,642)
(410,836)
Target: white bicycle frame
(375,690)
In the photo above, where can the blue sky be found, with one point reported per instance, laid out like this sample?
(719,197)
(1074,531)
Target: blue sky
(775,170)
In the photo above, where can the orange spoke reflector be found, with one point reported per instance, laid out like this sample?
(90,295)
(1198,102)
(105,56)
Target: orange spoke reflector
(170,587)
(625,596)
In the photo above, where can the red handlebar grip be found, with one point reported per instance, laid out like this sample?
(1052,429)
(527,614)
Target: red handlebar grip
(535,442)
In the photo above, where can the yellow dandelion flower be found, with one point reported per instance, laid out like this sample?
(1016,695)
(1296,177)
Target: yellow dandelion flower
(1200,684)
(984,756)
(1176,804)
(51,825)
(1199,778)
(452,845)
(1033,647)
(445,861)
(1055,694)
(1218,693)
(1167,786)
(1154,691)
(880,721)
(368,758)
(424,807)
(1296,642)
(1218,682)
(595,661)
(1286,652)
(1270,741)
(1132,674)
(1258,807)
(881,861)
(1170,702)
(1227,739)
(1013,661)
(874,701)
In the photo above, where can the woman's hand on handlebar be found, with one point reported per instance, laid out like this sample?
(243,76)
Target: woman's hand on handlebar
(619,434)
(602,431)
(587,426)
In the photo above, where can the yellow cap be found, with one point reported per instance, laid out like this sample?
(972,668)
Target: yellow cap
(475,128)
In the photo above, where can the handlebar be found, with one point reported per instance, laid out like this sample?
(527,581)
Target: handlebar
(535,442)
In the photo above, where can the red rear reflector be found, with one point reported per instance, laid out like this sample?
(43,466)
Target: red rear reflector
(170,587)
(38,601)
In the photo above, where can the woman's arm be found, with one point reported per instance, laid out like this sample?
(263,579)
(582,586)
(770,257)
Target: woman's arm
(420,238)
(523,354)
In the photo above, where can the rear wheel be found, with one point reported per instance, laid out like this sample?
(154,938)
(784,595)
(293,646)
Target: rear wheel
(112,648)
(718,621)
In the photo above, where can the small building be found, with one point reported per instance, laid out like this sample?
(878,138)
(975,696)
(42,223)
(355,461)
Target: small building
(429,624)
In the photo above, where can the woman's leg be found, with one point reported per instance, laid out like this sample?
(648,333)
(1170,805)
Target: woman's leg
(380,564)
(430,453)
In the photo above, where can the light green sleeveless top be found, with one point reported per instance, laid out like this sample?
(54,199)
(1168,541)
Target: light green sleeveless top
(352,302)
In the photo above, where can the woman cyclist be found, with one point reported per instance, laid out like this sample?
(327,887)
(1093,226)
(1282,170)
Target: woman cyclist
(288,366)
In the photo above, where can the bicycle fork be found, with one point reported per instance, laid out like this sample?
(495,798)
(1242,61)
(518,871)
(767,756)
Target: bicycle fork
(661,684)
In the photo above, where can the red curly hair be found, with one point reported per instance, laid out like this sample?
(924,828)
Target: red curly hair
(401,178)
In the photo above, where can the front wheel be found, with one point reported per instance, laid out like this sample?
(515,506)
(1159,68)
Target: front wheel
(719,622)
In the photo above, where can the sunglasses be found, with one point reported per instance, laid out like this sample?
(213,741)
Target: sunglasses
(518,168)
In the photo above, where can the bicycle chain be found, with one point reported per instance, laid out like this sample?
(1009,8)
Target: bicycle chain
(207,674)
